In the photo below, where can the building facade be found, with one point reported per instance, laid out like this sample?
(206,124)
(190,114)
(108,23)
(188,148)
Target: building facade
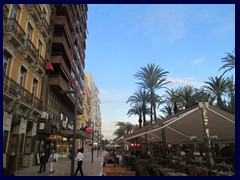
(25,39)
(44,54)
(67,57)
(95,110)
(84,120)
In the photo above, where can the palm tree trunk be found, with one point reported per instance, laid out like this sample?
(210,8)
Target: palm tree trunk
(152,105)
(175,109)
(140,121)
(155,113)
(220,103)
(144,118)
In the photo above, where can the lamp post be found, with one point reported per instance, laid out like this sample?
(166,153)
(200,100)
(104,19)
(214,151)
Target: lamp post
(74,127)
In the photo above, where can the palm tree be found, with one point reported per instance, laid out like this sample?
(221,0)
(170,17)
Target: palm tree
(119,132)
(229,61)
(120,124)
(202,96)
(151,78)
(167,110)
(129,127)
(136,110)
(140,98)
(217,87)
(173,97)
(231,94)
(187,94)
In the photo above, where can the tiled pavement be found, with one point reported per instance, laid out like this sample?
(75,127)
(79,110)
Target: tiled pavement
(63,167)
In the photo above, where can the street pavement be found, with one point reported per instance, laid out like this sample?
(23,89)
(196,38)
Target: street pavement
(63,166)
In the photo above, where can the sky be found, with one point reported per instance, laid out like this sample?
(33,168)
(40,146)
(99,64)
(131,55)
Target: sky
(188,41)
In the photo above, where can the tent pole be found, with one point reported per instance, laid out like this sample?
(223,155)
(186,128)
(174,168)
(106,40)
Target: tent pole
(207,139)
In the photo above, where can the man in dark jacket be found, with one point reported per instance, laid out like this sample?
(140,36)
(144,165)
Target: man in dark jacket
(42,161)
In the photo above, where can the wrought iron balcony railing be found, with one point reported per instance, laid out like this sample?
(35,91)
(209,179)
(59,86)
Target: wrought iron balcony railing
(13,26)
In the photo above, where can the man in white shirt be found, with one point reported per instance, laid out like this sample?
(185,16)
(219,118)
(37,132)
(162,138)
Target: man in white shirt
(52,159)
(79,158)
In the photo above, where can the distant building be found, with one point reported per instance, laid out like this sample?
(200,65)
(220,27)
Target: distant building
(95,109)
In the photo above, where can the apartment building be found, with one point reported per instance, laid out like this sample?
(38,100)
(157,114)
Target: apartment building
(25,40)
(44,55)
(67,56)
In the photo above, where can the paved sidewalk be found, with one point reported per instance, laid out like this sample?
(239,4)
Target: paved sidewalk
(63,167)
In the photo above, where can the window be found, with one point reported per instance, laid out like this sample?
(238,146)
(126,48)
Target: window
(14,12)
(34,87)
(5,63)
(22,77)
(44,13)
(5,138)
(40,47)
(49,96)
(28,145)
(28,35)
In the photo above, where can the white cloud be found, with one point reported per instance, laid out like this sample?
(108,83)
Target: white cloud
(163,22)
(198,61)
(185,81)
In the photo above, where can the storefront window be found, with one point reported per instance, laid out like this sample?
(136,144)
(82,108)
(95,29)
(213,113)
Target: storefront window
(62,149)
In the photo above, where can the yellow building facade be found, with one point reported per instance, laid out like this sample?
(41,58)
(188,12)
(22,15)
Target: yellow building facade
(25,38)
(85,119)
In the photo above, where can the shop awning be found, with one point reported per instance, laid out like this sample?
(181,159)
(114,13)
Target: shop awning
(79,134)
(49,66)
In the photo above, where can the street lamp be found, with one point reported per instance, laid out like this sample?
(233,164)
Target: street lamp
(74,127)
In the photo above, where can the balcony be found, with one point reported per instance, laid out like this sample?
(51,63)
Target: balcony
(37,104)
(64,10)
(5,14)
(10,87)
(63,25)
(39,66)
(35,11)
(44,28)
(12,92)
(30,51)
(14,32)
(58,59)
(58,83)
(60,44)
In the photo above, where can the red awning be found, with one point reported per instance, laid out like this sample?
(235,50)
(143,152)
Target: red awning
(49,66)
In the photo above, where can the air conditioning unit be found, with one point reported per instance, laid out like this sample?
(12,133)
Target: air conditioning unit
(70,126)
(44,115)
(41,127)
(64,124)
(50,115)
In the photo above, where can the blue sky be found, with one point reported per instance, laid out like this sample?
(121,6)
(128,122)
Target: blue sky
(186,40)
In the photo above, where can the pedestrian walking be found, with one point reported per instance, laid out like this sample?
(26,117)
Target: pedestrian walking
(52,159)
(79,158)
(42,161)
